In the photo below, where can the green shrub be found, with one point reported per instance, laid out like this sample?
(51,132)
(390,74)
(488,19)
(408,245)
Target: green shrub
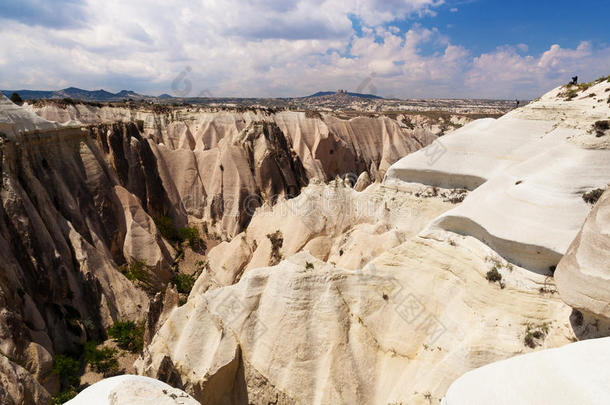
(191,234)
(166,228)
(63,396)
(128,335)
(534,333)
(184,283)
(16,98)
(101,360)
(309,265)
(136,271)
(601,79)
(277,241)
(592,196)
(600,127)
(493,275)
(188,233)
(68,371)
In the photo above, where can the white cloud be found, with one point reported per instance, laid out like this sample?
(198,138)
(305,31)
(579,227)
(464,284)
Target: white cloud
(523,47)
(272,48)
(454,9)
(504,70)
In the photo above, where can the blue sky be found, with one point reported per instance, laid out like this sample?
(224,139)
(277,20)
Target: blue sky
(404,48)
(482,25)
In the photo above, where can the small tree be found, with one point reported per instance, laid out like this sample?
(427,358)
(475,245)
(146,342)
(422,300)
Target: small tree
(68,370)
(16,98)
(128,335)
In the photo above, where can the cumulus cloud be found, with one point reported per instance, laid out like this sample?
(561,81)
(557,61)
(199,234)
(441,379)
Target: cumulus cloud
(266,48)
(505,70)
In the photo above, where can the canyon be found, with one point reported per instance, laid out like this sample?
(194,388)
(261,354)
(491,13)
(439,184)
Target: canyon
(368,258)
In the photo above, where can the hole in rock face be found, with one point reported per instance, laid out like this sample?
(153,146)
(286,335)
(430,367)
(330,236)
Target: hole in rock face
(331,151)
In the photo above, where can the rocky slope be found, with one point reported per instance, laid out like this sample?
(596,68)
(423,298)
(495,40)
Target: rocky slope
(219,166)
(574,374)
(583,275)
(392,302)
(320,293)
(75,205)
(81,201)
(530,169)
(383,332)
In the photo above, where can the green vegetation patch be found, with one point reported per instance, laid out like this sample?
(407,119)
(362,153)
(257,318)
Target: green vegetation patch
(184,282)
(136,271)
(128,335)
(68,371)
(101,360)
(63,396)
(535,334)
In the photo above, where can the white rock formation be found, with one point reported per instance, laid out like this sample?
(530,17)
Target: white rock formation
(574,374)
(131,390)
(213,164)
(78,202)
(329,326)
(399,330)
(15,120)
(379,333)
(333,222)
(530,169)
(583,275)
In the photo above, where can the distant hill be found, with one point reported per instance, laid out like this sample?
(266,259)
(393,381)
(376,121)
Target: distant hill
(332,93)
(77,94)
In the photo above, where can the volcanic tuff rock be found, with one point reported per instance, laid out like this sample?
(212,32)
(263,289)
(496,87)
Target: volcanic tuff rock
(74,206)
(333,222)
(219,166)
(18,385)
(131,390)
(379,307)
(583,275)
(574,374)
(401,329)
(377,296)
(530,169)
(368,312)
(78,201)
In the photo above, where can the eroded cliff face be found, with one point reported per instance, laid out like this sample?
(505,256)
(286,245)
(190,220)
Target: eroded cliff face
(79,200)
(75,205)
(377,296)
(218,167)
(364,305)
(582,274)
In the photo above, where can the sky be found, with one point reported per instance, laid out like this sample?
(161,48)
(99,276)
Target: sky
(289,48)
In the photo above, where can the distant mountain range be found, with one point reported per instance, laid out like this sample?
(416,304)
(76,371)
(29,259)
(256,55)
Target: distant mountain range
(103,95)
(77,94)
(332,93)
